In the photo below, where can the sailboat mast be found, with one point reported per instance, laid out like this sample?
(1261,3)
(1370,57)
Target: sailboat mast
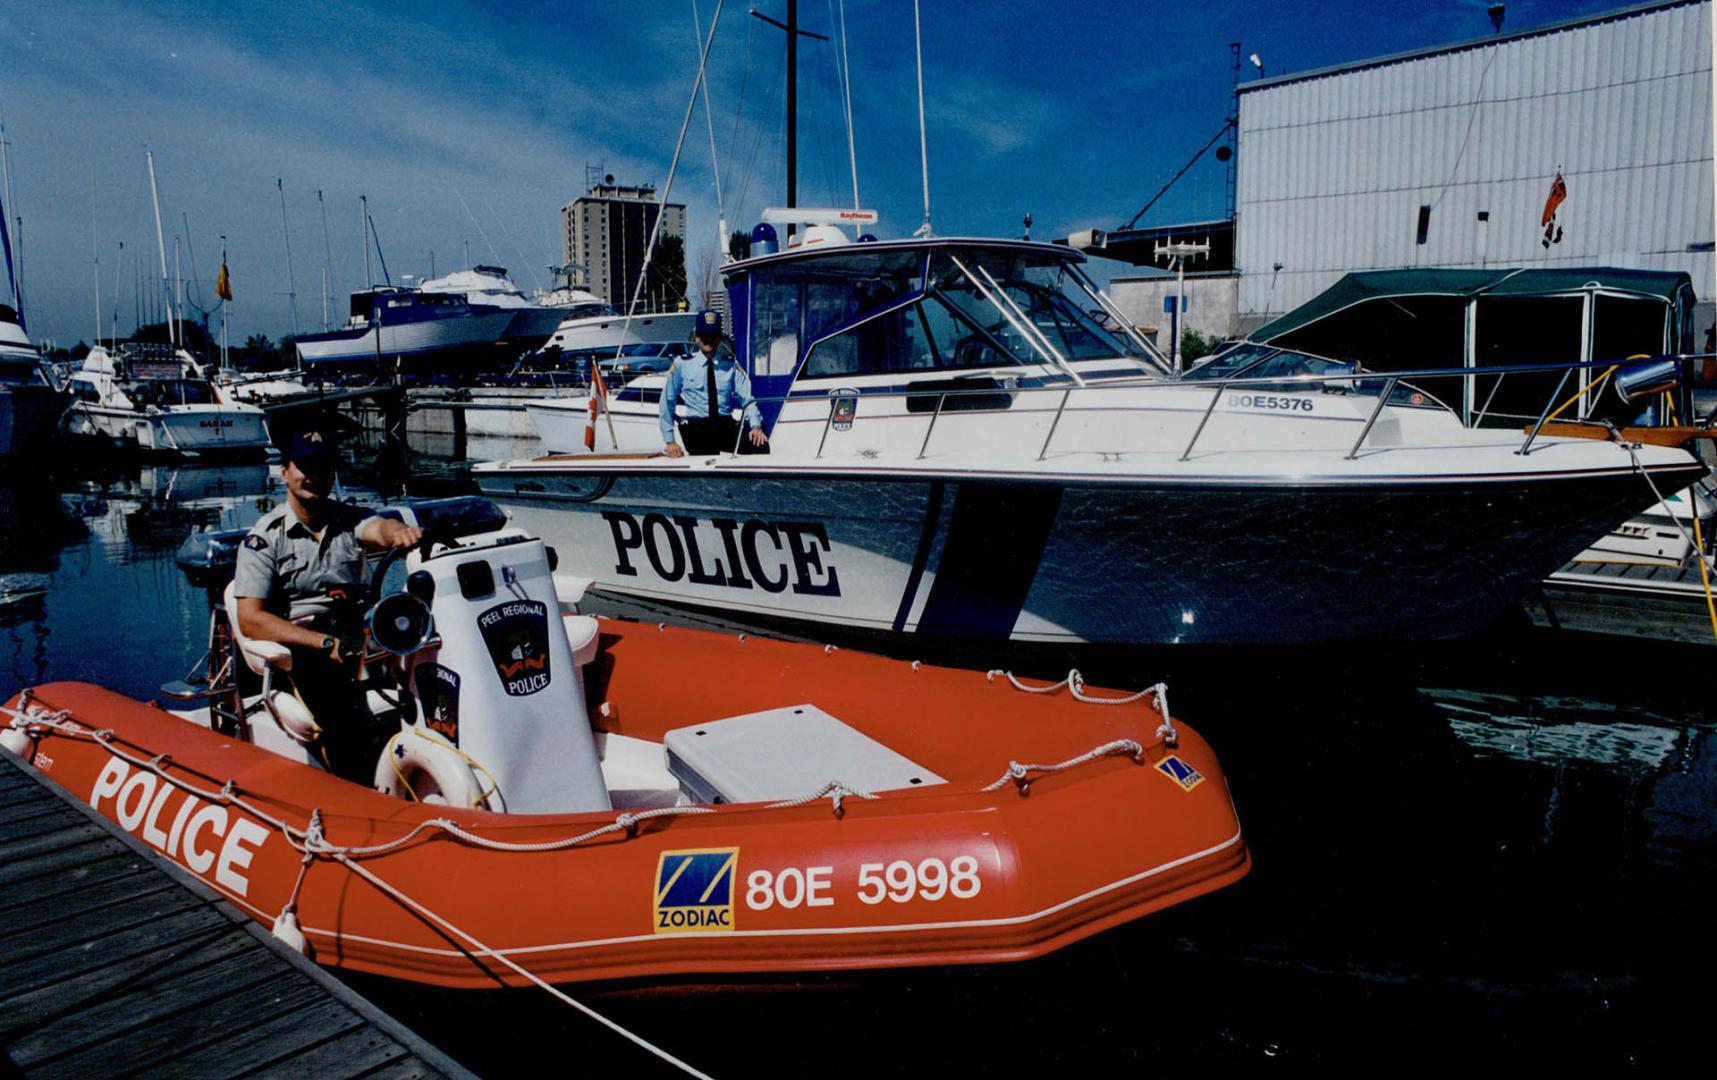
(364,238)
(161,248)
(792,107)
(95,253)
(226,357)
(14,258)
(327,260)
(291,290)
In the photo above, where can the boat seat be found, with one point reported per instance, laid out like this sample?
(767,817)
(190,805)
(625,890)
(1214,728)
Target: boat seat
(583,637)
(264,658)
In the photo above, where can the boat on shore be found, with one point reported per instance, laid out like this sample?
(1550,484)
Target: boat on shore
(426,331)
(158,400)
(968,443)
(571,798)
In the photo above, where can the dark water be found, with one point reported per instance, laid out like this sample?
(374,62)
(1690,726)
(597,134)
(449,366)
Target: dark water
(1496,849)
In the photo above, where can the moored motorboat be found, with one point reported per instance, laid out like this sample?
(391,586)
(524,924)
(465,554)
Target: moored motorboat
(624,800)
(30,405)
(967,442)
(157,400)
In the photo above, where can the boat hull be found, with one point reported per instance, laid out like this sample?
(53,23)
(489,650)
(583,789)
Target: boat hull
(426,339)
(183,431)
(28,417)
(1144,562)
(807,885)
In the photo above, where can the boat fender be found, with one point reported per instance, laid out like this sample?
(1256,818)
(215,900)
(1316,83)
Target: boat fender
(293,716)
(421,765)
(286,928)
(16,740)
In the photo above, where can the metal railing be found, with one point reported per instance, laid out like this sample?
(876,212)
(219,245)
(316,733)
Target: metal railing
(1345,381)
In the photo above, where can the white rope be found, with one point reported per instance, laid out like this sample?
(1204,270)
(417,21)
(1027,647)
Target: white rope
(835,789)
(1693,503)
(1075,682)
(1020,775)
(673,166)
(532,977)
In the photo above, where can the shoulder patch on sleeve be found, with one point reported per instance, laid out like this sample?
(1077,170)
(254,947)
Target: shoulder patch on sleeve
(255,542)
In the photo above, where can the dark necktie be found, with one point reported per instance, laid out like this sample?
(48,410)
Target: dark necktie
(709,372)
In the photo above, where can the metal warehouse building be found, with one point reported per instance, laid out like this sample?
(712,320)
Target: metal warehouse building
(1447,156)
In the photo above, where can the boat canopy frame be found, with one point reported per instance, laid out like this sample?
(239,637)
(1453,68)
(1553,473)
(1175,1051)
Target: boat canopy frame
(916,268)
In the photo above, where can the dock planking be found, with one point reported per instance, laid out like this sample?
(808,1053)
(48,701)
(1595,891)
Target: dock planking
(115,960)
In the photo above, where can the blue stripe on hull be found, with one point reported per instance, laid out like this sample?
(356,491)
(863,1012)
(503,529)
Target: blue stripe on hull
(995,543)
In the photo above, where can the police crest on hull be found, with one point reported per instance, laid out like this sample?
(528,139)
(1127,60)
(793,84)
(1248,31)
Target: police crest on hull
(516,634)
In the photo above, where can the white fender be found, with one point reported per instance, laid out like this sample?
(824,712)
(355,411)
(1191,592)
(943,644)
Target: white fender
(420,764)
(16,740)
(293,717)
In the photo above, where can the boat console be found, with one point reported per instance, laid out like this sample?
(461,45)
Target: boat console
(479,663)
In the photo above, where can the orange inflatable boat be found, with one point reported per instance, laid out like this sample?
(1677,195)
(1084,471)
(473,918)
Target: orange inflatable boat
(690,803)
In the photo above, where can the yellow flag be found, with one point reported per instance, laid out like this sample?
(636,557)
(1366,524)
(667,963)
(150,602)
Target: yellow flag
(223,284)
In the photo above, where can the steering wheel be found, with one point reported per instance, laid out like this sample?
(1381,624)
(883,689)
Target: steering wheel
(425,547)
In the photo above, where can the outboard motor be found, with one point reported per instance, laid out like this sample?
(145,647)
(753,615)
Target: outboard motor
(502,684)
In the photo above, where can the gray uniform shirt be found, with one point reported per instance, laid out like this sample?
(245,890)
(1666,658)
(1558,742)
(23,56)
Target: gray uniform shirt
(285,566)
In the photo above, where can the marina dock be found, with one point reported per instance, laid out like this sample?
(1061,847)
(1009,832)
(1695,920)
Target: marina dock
(1630,599)
(116,961)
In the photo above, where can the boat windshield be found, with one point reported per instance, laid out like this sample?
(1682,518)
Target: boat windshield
(21,370)
(1251,361)
(862,313)
(171,392)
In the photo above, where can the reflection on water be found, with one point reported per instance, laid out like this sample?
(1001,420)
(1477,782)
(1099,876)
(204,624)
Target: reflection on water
(1503,850)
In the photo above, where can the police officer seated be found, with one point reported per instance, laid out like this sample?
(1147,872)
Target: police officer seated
(713,386)
(299,581)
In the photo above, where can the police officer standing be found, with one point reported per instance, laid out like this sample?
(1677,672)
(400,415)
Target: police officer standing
(298,580)
(712,385)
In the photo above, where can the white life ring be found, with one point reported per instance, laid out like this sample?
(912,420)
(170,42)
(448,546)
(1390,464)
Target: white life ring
(419,764)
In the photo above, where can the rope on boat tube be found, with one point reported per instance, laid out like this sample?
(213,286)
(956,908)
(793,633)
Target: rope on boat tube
(836,790)
(484,950)
(1021,775)
(1075,683)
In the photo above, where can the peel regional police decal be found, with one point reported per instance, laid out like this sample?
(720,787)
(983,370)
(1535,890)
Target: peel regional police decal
(694,890)
(516,633)
(1180,772)
(438,693)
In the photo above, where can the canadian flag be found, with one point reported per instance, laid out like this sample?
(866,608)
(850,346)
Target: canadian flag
(598,403)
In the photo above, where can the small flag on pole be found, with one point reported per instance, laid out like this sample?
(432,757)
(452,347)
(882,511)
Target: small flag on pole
(224,284)
(1558,192)
(598,402)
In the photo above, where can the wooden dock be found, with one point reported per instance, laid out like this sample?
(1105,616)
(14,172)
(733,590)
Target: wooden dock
(113,960)
(1664,603)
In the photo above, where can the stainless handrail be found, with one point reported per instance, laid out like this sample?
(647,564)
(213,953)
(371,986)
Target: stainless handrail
(1526,447)
(937,415)
(1221,388)
(827,423)
(1055,423)
(1382,400)
(1289,383)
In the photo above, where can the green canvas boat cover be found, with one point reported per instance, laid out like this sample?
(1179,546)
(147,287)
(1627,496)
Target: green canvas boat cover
(1357,288)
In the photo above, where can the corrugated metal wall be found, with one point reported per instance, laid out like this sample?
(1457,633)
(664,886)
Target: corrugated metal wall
(1333,169)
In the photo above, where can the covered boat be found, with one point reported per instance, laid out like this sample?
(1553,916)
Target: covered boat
(604,799)
(970,444)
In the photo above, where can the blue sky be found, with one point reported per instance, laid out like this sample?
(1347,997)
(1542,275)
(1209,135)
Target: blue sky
(471,123)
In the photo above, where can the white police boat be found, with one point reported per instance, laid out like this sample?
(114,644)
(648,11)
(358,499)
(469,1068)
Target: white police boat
(968,442)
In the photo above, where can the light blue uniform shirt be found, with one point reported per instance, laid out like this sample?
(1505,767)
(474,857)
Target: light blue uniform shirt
(689,379)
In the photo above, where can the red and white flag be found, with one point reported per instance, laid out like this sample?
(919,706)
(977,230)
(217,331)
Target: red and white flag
(598,403)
